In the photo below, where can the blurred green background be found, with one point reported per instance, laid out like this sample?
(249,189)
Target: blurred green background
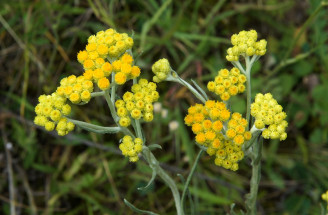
(84,173)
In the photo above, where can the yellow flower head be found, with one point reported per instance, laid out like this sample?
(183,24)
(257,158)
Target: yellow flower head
(103,83)
(227,83)
(268,112)
(50,112)
(245,44)
(120,78)
(131,148)
(161,69)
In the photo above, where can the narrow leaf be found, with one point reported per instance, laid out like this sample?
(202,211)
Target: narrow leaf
(200,89)
(154,146)
(139,211)
(153,176)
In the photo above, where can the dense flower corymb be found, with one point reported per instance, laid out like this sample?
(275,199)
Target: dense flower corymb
(138,103)
(51,112)
(220,132)
(268,112)
(245,44)
(227,83)
(131,148)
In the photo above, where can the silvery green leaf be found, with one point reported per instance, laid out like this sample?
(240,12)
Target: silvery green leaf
(150,182)
(137,210)
(200,89)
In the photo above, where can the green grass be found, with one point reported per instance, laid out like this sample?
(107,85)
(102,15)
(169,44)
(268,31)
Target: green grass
(84,173)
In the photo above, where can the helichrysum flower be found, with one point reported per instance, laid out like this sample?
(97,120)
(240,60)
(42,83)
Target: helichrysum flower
(161,69)
(220,132)
(227,83)
(50,112)
(245,44)
(76,89)
(124,69)
(103,44)
(131,148)
(268,112)
(137,104)
(100,47)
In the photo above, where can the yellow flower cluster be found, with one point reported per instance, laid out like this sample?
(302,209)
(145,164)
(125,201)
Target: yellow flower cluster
(268,112)
(161,69)
(207,123)
(131,148)
(124,70)
(138,103)
(76,89)
(237,129)
(228,155)
(245,44)
(227,84)
(50,112)
(103,44)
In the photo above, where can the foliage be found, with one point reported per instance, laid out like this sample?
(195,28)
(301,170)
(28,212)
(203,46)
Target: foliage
(84,173)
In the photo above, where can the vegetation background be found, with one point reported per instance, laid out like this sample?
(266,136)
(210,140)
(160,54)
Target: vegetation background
(84,173)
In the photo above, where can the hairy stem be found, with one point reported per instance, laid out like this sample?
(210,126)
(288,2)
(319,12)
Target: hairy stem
(139,130)
(154,164)
(95,128)
(256,176)
(114,114)
(190,177)
(176,78)
(249,90)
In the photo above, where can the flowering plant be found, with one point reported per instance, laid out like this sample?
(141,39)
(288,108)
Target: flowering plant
(229,137)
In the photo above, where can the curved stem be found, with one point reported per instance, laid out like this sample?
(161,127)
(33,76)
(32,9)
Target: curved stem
(94,128)
(176,78)
(256,176)
(249,90)
(190,177)
(114,114)
(154,164)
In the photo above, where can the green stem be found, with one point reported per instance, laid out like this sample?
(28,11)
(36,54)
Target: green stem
(190,177)
(176,78)
(114,114)
(138,129)
(95,128)
(154,164)
(95,94)
(249,90)
(256,176)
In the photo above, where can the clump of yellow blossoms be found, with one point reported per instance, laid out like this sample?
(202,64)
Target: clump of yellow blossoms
(227,84)
(245,44)
(108,44)
(208,122)
(268,112)
(76,89)
(131,148)
(50,113)
(124,69)
(103,47)
(138,103)
(103,44)
(161,69)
